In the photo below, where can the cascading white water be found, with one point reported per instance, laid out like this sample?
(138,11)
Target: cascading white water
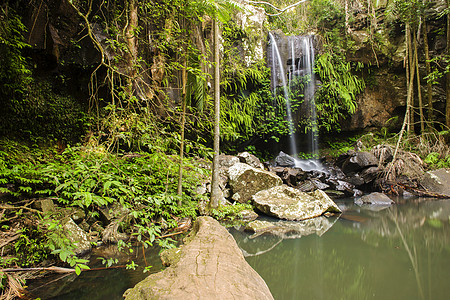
(299,50)
(279,62)
(309,89)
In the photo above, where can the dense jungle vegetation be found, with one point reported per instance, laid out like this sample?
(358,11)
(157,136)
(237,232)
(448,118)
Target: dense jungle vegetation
(112,103)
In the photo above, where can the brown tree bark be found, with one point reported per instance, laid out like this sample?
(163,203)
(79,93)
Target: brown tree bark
(131,40)
(215,190)
(428,69)
(447,109)
(419,90)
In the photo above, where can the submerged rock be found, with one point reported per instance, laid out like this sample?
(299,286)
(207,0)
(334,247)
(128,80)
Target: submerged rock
(245,181)
(290,204)
(291,229)
(375,198)
(209,266)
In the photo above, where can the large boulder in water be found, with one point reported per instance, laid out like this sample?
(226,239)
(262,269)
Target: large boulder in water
(210,266)
(287,203)
(437,181)
(245,181)
(375,198)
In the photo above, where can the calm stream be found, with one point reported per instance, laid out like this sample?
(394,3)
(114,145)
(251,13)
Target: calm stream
(401,252)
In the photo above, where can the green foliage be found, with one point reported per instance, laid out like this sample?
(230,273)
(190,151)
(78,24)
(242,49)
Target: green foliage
(337,94)
(409,12)
(14,70)
(30,248)
(230,212)
(326,15)
(436,160)
(61,246)
(46,116)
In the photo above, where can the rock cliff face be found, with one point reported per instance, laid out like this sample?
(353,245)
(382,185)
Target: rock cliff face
(385,94)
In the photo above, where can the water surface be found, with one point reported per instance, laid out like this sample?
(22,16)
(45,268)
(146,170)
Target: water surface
(401,252)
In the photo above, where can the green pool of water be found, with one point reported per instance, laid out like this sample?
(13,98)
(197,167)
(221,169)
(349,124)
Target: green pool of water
(401,252)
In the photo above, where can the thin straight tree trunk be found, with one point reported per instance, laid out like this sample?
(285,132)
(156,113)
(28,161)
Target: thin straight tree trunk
(410,94)
(347,26)
(131,39)
(183,123)
(408,73)
(447,109)
(408,106)
(419,91)
(215,192)
(428,69)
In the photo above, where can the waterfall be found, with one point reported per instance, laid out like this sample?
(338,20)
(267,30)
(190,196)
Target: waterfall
(296,55)
(309,89)
(278,62)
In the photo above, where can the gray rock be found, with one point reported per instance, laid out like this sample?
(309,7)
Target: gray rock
(112,211)
(201,189)
(358,162)
(78,237)
(374,199)
(111,234)
(248,215)
(227,161)
(370,174)
(437,181)
(209,266)
(319,184)
(45,205)
(290,204)
(284,160)
(245,181)
(250,160)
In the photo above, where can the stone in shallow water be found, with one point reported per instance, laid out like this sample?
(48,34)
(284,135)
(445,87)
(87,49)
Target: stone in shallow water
(375,198)
(209,266)
(291,229)
(287,203)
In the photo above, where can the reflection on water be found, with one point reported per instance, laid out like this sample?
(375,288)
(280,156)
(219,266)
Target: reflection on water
(98,285)
(401,252)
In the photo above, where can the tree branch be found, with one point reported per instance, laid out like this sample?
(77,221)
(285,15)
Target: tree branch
(280,10)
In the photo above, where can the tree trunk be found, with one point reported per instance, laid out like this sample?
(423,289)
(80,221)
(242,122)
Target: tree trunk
(447,109)
(408,76)
(410,84)
(131,40)
(419,91)
(183,123)
(347,26)
(428,69)
(215,192)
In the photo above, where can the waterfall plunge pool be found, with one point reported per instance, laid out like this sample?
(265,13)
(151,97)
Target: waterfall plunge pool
(400,252)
